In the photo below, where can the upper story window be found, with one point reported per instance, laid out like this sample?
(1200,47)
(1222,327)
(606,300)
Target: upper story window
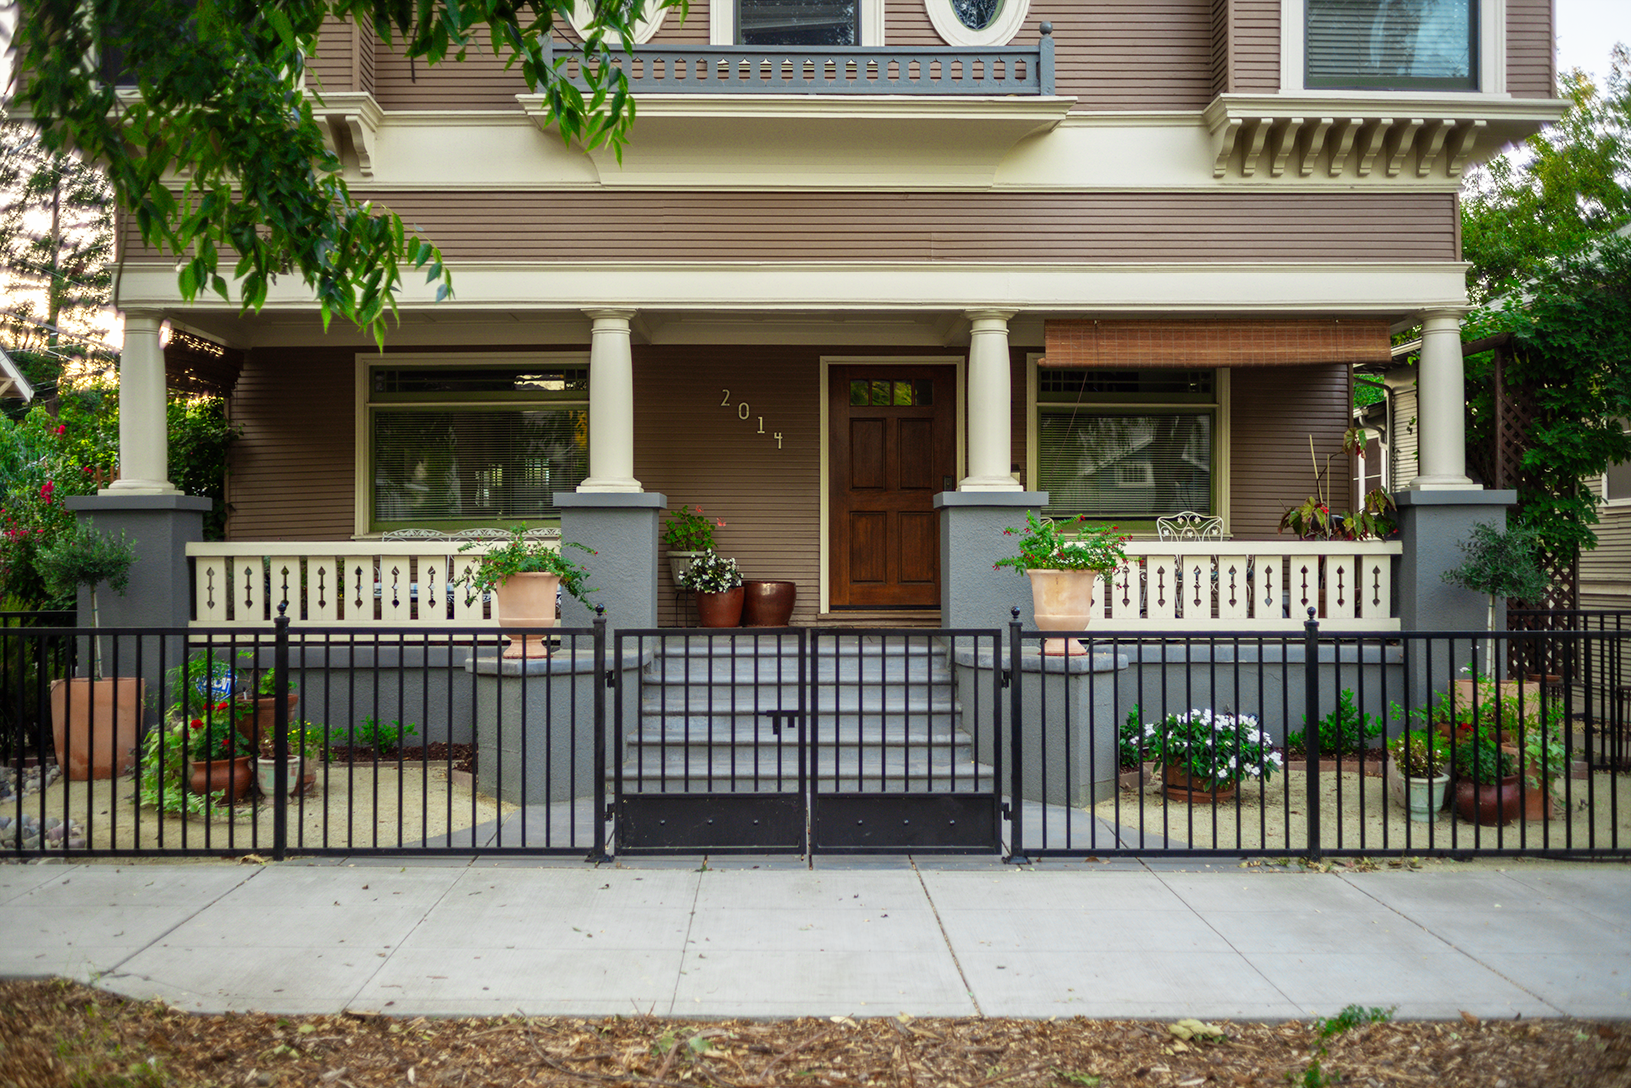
(1392,45)
(1617,481)
(798,22)
(972,24)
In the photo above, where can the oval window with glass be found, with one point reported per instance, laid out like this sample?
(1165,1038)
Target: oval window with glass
(974,23)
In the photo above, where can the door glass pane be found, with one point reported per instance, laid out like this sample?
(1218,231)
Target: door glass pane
(797,22)
(860,393)
(903,394)
(925,393)
(880,393)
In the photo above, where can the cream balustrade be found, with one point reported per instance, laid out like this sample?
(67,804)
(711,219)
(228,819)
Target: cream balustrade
(395,583)
(1252,585)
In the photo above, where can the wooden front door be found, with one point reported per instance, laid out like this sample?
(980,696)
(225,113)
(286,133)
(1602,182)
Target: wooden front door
(893,448)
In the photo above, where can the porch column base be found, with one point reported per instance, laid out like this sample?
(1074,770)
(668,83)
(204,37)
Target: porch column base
(159,528)
(971,540)
(1432,525)
(621,527)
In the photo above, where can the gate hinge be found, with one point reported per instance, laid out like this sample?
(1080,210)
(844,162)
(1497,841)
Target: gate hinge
(1007,812)
(611,678)
(1007,677)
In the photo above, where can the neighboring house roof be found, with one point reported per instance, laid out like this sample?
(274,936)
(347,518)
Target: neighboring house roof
(12,382)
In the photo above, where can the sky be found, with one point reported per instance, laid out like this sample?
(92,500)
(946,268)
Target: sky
(1587,30)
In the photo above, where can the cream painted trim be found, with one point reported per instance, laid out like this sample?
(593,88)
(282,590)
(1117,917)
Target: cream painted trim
(361,477)
(1010,17)
(515,290)
(1491,51)
(829,361)
(1602,491)
(581,13)
(1221,434)
(722,22)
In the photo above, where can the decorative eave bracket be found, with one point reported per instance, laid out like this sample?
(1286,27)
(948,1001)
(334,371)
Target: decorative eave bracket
(1273,136)
(355,113)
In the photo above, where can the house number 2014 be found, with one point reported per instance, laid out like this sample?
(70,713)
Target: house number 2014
(745,413)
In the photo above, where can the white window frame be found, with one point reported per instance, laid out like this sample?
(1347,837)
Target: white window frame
(1491,56)
(722,22)
(1010,17)
(581,13)
(1220,405)
(1620,503)
(366,362)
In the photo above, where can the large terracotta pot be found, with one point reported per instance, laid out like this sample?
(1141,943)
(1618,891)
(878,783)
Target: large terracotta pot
(94,724)
(526,600)
(232,775)
(720,609)
(252,727)
(768,604)
(1063,601)
(1500,803)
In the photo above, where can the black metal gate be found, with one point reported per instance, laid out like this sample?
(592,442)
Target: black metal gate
(788,740)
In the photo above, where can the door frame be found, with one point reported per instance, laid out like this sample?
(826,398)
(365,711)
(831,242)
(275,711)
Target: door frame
(959,470)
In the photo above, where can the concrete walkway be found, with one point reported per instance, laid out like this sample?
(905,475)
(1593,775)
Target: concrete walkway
(768,938)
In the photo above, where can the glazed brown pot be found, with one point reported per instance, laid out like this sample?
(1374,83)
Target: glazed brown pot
(1499,803)
(1180,785)
(768,604)
(720,609)
(235,776)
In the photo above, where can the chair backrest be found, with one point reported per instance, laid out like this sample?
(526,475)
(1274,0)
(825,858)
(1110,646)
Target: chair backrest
(1189,525)
(413,534)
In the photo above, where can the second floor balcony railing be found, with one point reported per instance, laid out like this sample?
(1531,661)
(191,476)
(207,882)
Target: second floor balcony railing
(837,70)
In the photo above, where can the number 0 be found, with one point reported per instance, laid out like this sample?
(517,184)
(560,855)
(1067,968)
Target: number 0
(742,410)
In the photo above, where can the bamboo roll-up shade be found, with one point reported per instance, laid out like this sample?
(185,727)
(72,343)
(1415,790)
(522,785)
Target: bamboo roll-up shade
(1138,345)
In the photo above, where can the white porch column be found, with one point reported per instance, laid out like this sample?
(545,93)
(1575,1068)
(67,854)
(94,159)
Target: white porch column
(144,447)
(989,453)
(1441,402)
(611,404)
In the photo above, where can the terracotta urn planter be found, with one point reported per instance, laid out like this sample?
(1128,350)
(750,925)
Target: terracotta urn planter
(768,604)
(526,600)
(232,775)
(1498,803)
(93,723)
(1063,601)
(720,609)
(1179,785)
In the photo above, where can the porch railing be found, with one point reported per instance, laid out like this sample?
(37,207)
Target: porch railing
(837,70)
(1250,586)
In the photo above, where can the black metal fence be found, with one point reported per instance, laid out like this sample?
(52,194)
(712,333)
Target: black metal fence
(211,742)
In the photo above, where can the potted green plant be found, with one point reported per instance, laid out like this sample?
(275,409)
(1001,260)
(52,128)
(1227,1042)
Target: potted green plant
(1487,787)
(687,534)
(1062,567)
(218,751)
(304,751)
(1205,756)
(1312,518)
(1418,772)
(717,583)
(94,720)
(525,578)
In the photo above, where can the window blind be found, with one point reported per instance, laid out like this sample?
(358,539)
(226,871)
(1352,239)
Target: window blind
(1391,44)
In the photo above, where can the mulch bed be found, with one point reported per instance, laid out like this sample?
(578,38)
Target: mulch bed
(57,1034)
(1372,763)
(462,755)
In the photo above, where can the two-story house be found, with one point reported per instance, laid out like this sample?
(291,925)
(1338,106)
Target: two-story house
(871,266)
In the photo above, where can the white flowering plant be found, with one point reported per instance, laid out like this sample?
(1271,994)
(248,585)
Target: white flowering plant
(1222,749)
(711,572)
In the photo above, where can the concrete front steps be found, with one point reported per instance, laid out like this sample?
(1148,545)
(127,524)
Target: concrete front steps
(718,714)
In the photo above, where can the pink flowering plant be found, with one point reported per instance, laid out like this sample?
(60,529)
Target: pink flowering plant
(689,530)
(1051,545)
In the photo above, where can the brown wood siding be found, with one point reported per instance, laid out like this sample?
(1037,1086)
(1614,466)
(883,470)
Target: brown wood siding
(699,453)
(479,82)
(1220,47)
(1272,411)
(334,67)
(1018,417)
(1609,563)
(1030,228)
(1254,36)
(907,26)
(290,475)
(1128,54)
(1530,57)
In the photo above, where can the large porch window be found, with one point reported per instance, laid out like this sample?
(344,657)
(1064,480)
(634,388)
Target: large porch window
(1392,45)
(454,445)
(1127,445)
(798,22)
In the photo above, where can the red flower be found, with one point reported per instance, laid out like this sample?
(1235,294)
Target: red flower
(197,723)
(62,428)
(46,489)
